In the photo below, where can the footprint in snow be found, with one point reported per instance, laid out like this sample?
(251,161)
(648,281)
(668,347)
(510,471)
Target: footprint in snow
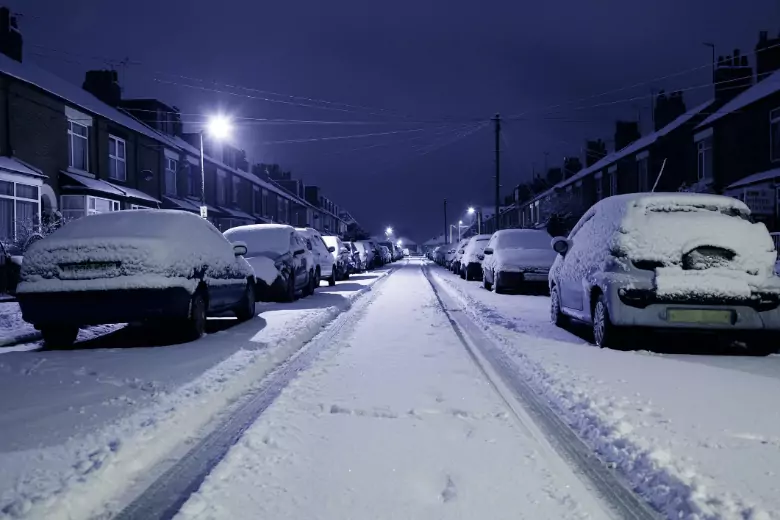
(450,492)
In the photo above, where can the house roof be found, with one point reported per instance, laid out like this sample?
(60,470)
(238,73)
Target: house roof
(760,90)
(133,193)
(756,178)
(92,184)
(636,146)
(14,165)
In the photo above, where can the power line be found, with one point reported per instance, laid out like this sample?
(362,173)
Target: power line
(401,141)
(338,137)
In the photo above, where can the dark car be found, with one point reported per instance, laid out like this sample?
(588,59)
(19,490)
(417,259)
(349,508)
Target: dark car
(281,258)
(131,266)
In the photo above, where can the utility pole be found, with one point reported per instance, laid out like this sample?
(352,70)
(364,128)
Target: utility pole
(445,221)
(497,121)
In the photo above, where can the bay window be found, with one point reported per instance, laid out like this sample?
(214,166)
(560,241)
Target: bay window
(20,209)
(77,206)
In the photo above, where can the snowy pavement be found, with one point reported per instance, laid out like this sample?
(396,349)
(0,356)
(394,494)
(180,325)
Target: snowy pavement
(697,436)
(394,421)
(70,418)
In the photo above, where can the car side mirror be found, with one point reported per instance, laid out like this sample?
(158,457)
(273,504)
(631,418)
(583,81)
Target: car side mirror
(299,252)
(561,245)
(331,249)
(461,251)
(239,248)
(488,251)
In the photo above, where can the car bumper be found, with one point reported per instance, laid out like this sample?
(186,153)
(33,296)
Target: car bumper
(474,270)
(516,280)
(683,316)
(101,307)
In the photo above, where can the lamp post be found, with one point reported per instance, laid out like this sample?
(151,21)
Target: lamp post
(218,127)
(459,226)
(472,211)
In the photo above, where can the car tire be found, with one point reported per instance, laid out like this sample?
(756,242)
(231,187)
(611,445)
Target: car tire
(246,308)
(289,293)
(314,282)
(194,325)
(496,288)
(556,316)
(332,278)
(605,333)
(487,285)
(62,336)
(317,279)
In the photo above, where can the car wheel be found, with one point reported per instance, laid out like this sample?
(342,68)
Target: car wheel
(496,288)
(317,279)
(314,282)
(487,285)
(556,316)
(195,325)
(605,334)
(332,279)
(289,293)
(59,336)
(246,308)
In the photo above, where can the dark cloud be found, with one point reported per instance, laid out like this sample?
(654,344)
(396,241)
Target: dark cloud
(435,59)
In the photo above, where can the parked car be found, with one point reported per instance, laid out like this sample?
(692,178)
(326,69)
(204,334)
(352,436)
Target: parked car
(516,259)
(439,255)
(459,250)
(471,261)
(280,258)
(390,249)
(674,261)
(367,253)
(387,256)
(128,266)
(341,256)
(323,258)
(405,252)
(356,264)
(449,255)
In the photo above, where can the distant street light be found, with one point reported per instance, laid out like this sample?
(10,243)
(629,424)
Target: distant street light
(219,127)
(471,211)
(399,243)
(389,231)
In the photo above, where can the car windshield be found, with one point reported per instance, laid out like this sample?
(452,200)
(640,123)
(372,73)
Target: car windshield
(523,239)
(260,239)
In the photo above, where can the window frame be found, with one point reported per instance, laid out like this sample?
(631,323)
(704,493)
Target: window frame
(89,207)
(174,171)
(71,152)
(235,189)
(704,150)
(115,159)
(15,198)
(221,188)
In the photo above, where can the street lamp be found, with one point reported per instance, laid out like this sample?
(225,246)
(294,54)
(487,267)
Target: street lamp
(399,243)
(389,231)
(218,127)
(471,211)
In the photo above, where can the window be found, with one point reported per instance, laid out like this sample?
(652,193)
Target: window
(77,206)
(117,157)
(613,187)
(221,188)
(704,154)
(235,184)
(171,167)
(266,206)
(195,181)
(642,173)
(136,206)
(19,209)
(774,131)
(78,146)
(257,201)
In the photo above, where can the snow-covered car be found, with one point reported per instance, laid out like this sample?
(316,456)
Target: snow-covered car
(405,252)
(323,258)
(471,261)
(449,255)
(680,261)
(459,250)
(280,258)
(439,255)
(356,264)
(516,259)
(387,256)
(367,253)
(390,249)
(131,266)
(341,256)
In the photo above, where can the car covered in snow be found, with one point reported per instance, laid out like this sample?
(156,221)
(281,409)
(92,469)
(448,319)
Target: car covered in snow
(341,256)
(323,258)
(281,259)
(162,266)
(675,261)
(356,264)
(385,253)
(367,253)
(516,259)
(471,260)
(459,250)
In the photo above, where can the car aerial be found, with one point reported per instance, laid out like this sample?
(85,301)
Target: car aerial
(342,256)
(674,261)
(161,266)
(280,258)
(471,261)
(459,250)
(322,256)
(515,259)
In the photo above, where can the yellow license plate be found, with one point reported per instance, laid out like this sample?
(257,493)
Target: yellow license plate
(708,316)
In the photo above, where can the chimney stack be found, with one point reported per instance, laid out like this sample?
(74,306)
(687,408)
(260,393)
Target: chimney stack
(732,77)
(10,36)
(626,132)
(767,55)
(104,85)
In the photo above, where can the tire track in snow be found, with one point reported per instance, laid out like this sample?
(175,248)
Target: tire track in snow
(163,498)
(499,370)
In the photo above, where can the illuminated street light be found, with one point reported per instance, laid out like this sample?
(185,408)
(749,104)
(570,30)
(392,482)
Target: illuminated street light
(399,243)
(218,127)
(471,210)
(389,231)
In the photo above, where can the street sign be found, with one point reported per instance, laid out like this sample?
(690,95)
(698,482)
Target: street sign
(204,211)
(761,201)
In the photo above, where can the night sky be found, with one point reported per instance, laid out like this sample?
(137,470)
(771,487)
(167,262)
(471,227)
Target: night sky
(428,70)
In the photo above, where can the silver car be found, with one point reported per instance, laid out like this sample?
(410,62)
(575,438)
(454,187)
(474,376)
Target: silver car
(683,261)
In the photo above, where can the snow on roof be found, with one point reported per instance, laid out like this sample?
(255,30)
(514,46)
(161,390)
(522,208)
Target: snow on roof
(756,178)
(14,165)
(91,183)
(760,90)
(133,193)
(72,94)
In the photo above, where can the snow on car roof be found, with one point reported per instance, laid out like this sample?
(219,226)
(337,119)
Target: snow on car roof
(262,238)
(163,223)
(657,200)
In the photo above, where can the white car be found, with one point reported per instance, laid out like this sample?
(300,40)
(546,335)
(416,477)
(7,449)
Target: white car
(162,266)
(341,255)
(280,257)
(516,259)
(675,261)
(367,253)
(459,250)
(473,254)
(323,258)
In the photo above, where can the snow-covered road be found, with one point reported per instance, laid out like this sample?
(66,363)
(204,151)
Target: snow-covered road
(394,421)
